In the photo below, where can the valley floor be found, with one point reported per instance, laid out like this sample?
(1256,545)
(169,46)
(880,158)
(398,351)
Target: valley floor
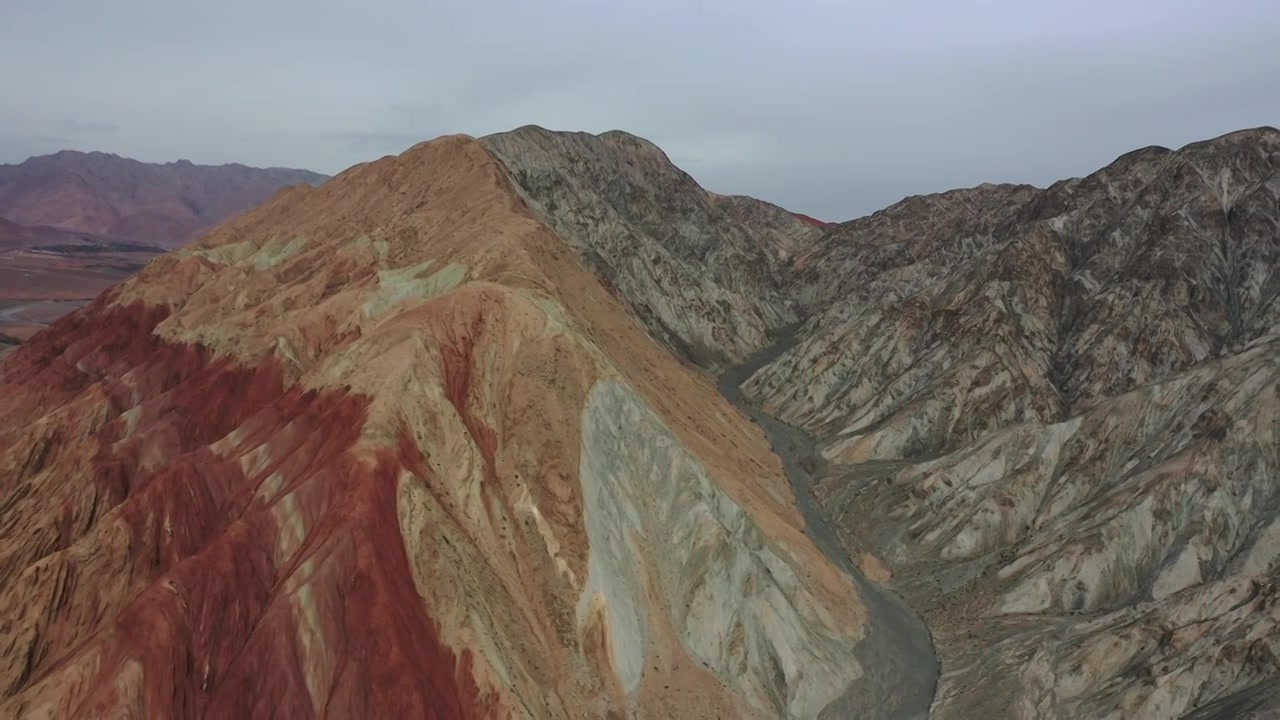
(903,685)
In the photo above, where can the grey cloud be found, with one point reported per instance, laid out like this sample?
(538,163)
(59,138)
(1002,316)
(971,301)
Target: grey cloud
(832,109)
(18,147)
(375,142)
(87,127)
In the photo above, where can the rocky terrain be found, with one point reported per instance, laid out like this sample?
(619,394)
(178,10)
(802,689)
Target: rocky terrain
(387,448)
(782,237)
(535,426)
(1053,413)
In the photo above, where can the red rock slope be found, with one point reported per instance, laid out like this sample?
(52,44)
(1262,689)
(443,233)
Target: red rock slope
(814,221)
(384,449)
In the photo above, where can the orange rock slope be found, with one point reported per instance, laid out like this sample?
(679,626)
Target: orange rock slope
(384,449)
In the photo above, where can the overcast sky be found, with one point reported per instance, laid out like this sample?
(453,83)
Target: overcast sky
(830,108)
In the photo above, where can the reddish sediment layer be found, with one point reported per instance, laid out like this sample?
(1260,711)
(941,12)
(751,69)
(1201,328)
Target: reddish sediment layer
(813,221)
(181,571)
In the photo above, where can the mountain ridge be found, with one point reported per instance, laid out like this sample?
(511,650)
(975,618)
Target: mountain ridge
(484,398)
(477,387)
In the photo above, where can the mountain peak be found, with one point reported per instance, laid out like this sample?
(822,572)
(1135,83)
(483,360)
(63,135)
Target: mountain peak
(366,396)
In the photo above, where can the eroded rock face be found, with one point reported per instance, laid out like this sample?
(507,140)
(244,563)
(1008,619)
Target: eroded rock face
(384,448)
(1209,652)
(895,250)
(1155,509)
(1001,304)
(702,282)
(1055,418)
(732,598)
(783,234)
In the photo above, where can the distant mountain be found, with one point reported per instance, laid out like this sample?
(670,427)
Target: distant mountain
(13,235)
(25,237)
(110,195)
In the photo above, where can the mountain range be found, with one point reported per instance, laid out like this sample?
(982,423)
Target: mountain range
(533,425)
(105,194)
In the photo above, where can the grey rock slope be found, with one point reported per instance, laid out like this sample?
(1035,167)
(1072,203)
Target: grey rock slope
(1121,563)
(1057,300)
(702,282)
(891,253)
(783,235)
(1054,415)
